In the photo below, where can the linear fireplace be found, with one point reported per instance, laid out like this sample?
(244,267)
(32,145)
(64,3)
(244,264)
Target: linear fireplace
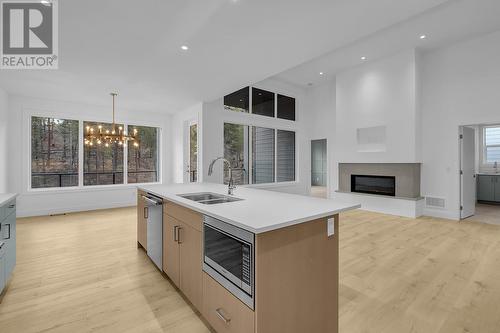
(381,185)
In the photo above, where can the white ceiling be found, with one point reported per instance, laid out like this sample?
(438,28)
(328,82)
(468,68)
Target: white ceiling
(443,25)
(133,47)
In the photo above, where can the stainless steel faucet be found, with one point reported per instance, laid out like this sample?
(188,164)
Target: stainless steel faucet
(495,166)
(231,185)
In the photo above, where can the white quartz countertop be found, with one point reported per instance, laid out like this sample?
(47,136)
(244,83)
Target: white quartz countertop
(6,197)
(259,211)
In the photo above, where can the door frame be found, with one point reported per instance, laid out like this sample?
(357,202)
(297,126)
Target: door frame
(186,163)
(328,166)
(461,168)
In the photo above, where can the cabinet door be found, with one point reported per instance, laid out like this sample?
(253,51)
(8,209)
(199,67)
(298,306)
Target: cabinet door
(190,264)
(497,188)
(171,248)
(486,188)
(141,221)
(9,238)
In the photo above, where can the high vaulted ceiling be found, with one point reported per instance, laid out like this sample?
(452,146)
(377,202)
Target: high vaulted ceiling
(451,22)
(133,47)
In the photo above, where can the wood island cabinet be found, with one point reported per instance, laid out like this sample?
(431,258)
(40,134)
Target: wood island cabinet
(296,275)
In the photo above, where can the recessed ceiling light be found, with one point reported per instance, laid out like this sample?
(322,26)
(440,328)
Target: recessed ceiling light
(423,36)
(363,58)
(321,73)
(184,48)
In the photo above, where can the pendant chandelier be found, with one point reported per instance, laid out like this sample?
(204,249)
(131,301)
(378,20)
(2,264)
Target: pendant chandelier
(115,135)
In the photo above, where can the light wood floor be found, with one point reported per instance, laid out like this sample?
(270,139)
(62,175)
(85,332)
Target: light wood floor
(486,213)
(83,273)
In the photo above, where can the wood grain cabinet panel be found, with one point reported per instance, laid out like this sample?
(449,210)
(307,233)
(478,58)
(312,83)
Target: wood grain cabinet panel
(224,312)
(190,264)
(141,221)
(171,249)
(188,216)
(297,279)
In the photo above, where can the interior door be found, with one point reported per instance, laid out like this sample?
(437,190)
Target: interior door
(468,174)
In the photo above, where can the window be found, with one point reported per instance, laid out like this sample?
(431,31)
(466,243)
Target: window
(262,155)
(143,160)
(492,144)
(286,156)
(102,165)
(54,152)
(236,152)
(270,154)
(286,107)
(238,101)
(262,102)
(55,162)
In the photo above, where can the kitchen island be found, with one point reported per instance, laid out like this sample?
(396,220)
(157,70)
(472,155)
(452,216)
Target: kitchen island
(257,261)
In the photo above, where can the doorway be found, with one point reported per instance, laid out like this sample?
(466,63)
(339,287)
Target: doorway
(479,173)
(319,168)
(192,153)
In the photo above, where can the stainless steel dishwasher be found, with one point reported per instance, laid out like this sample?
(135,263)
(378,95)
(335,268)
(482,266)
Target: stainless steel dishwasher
(154,215)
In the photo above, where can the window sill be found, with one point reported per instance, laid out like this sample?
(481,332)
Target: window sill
(272,185)
(90,188)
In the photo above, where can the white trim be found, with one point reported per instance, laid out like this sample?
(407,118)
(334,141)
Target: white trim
(87,188)
(75,209)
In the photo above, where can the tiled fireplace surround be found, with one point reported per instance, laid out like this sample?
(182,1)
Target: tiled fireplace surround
(407,176)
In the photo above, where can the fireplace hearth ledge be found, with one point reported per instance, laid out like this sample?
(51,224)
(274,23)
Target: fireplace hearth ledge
(381,196)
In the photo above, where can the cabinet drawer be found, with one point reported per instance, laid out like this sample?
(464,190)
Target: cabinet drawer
(188,216)
(10,207)
(223,311)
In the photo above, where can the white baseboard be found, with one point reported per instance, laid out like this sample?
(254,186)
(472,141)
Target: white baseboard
(74,209)
(442,214)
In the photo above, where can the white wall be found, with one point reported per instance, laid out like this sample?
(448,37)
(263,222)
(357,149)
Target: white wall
(3,141)
(321,112)
(461,85)
(214,116)
(54,201)
(379,93)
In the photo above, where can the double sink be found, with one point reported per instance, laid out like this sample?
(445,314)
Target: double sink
(208,198)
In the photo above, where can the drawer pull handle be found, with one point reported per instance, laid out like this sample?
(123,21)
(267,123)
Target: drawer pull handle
(179,235)
(176,239)
(9,231)
(12,206)
(221,316)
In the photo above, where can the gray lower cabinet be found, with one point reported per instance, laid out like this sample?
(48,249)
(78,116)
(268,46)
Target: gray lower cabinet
(8,238)
(488,188)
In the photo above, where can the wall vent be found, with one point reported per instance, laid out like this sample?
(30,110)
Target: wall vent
(435,202)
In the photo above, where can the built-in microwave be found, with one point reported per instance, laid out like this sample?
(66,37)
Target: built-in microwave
(228,253)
